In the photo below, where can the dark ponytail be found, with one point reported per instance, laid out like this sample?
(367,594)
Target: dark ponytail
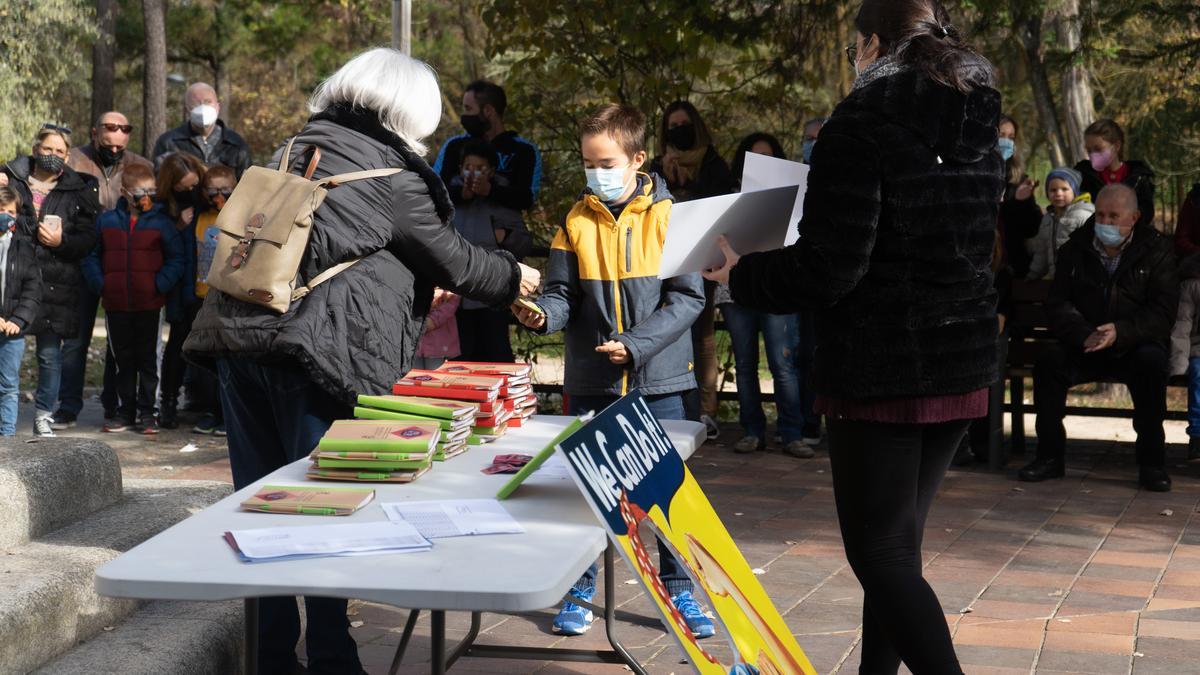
(919,33)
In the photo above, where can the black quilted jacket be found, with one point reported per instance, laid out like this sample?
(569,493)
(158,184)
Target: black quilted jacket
(75,199)
(357,333)
(898,232)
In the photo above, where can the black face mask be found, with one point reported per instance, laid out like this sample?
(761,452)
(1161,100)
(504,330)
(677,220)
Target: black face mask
(185,199)
(474,125)
(108,156)
(52,164)
(682,137)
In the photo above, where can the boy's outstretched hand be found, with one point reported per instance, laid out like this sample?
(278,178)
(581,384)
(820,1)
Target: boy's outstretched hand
(616,352)
(721,274)
(528,318)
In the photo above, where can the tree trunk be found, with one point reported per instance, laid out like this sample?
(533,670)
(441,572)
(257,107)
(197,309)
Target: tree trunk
(1078,107)
(102,58)
(220,63)
(1029,30)
(845,76)
(154,88)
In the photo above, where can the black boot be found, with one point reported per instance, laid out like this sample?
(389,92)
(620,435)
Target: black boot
(169,416)
(1041,469)
(1193,448)
(1154,478)
(965,456)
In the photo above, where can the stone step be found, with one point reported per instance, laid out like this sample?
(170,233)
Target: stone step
(50,483)
(181,638)
(48,602)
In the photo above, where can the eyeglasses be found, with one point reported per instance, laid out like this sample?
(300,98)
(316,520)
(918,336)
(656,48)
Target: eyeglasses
(852,54)
(142,192)
(123,128)
(213,192)
(56,127)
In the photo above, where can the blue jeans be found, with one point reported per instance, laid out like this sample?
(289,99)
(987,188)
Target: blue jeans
(663,407)
(74,362)
(11,350)
(49,358)
(781,333)
(276,415)
(1193,413)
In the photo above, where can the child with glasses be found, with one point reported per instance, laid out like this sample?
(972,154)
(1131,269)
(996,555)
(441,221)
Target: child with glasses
(136,262)
(215,188)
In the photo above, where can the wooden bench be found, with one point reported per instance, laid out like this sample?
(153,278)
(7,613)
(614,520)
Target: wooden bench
(1029,337)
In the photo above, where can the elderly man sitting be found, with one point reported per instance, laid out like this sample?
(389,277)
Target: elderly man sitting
(1112,307)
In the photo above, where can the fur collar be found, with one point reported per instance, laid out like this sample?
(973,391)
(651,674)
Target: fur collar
(367,122)
(884,66)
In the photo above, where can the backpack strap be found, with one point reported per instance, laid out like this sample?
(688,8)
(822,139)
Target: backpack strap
(332,181)
(323,277)
(286,160)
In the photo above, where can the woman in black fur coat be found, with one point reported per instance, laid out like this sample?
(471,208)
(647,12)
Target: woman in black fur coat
(898,232)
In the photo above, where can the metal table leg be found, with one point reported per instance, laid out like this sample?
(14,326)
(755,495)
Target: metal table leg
(610,610)
(408,632)
(250,621)
(437,661)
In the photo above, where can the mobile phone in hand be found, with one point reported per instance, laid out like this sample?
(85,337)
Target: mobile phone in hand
(52,223)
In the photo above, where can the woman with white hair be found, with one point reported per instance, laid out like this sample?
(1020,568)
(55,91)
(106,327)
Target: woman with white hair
(285,379)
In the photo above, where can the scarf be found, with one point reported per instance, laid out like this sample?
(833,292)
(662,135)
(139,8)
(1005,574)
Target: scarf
(682,166)
(884,66)
(5,243)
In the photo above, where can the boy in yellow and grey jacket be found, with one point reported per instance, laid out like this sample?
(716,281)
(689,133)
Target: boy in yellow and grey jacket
(625,327)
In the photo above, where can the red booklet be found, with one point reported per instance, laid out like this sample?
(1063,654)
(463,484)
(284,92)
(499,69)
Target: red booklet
(433,384)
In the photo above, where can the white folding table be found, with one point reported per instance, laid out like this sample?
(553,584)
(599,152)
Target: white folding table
(501,573)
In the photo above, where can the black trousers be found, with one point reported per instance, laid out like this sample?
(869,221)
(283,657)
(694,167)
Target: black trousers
(173,365)
(885,477)
(133,337)
(483,335)
(1143,369)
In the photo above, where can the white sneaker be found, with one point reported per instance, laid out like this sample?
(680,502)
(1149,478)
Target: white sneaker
(710,426)
(42,428)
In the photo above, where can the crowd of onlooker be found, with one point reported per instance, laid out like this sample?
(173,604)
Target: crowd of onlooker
(133,235)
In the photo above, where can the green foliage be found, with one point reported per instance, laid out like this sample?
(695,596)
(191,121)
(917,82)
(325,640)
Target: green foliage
(37,42)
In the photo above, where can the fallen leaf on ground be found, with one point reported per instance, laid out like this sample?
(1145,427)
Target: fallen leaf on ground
(631,582)
(357,624)
(190,447)
(965,610)
(1166,512)
(758,571)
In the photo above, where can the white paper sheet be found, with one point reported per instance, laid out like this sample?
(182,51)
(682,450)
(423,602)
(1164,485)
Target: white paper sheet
(752,221)
(763,172)
(341,539)
(454,517)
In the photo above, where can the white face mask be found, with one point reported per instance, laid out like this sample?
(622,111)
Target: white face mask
(203,116)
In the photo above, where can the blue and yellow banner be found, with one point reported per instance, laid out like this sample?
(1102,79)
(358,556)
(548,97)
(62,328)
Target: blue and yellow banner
(634,478)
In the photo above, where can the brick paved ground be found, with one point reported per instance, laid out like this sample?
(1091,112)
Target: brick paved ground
(1085,575)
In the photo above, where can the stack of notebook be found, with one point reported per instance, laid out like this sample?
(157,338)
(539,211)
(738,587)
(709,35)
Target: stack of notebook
(516,392)
(484,391)
(455,419)
(398,451)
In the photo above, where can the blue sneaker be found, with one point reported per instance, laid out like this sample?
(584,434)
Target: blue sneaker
(573,619)
(700,625)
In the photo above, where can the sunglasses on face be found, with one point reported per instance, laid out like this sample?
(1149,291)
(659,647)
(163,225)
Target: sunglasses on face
(224,192)
(123,128)
(56,127)
(142,192)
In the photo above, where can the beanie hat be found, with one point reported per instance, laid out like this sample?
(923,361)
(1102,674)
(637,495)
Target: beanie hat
(1071,176)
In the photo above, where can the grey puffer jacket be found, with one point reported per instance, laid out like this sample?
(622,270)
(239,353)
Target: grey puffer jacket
(1053,233)
(1185,336)
(358,332)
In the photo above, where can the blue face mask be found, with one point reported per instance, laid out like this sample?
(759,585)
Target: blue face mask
(806,151)
(1007,147)
(7,223)
(1109,235)
(607,184)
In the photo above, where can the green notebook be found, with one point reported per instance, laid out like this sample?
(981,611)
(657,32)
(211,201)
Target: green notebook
(374,465)
(534,464)
(389,415)
(377,436)
(415,405)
